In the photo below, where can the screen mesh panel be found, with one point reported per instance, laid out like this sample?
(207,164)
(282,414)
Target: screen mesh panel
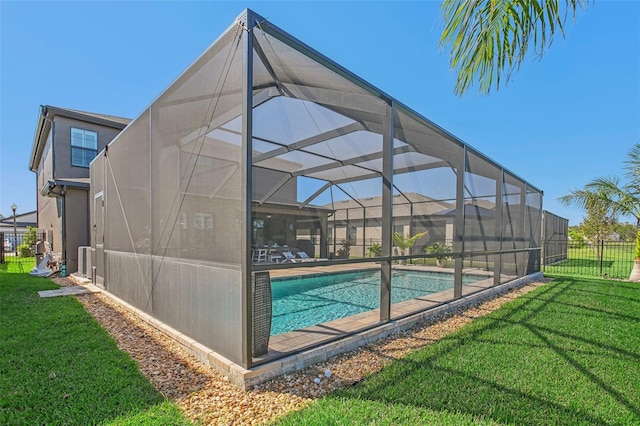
(322,191)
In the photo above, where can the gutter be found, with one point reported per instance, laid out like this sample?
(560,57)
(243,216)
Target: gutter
(38,146)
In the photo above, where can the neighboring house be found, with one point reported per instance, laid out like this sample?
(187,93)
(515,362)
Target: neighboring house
(22,221)
(64,144)
(614,236)
(413,213)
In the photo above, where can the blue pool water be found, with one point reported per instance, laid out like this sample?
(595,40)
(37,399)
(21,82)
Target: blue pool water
(305,301)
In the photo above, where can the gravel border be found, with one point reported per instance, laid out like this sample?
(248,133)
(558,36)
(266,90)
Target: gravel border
(207,397)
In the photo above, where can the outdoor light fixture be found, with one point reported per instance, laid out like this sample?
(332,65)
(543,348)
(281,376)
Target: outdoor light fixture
(15,233)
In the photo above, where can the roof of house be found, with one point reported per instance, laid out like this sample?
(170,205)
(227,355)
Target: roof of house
(470,210)
(47,112)
(22,219)
(112,118)
(407,204)
(405,198)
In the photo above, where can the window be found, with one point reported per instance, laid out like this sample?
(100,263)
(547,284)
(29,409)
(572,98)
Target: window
(84,147)
(353,235)
(203,221)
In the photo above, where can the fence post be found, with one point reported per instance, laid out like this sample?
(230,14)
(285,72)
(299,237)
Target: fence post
(601,255)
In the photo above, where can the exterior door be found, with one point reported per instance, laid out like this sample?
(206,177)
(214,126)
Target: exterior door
(98,237)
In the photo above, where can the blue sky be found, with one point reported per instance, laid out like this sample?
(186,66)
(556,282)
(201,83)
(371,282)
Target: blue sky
(559,123)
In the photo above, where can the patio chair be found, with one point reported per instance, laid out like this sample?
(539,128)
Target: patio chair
(288,257)
(304,257)
(258,255)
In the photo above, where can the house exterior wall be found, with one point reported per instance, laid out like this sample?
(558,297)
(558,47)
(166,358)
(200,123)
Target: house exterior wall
(55,164)
(45,168)
(50,219)
(77,223)
(62,144)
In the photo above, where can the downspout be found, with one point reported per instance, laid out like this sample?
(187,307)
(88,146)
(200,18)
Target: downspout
(63,266)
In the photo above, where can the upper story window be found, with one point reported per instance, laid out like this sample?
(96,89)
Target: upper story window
(84,147)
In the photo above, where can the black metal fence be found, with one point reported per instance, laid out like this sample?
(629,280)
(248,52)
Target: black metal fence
(12,242)
(606,259)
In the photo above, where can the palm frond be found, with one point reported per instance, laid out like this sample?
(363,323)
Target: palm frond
(609,193)
(632,165)
(491,38)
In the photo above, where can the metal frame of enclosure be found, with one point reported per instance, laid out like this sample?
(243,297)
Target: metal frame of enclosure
(264,144)
(555,235)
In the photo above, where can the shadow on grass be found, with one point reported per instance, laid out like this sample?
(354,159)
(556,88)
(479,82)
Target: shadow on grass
(634,287)
(511,367)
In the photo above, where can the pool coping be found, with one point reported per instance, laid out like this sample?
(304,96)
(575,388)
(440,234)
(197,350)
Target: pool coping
(248,378)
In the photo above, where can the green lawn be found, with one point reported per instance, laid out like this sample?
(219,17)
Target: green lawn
(58,366)
(616,262)
(567,353)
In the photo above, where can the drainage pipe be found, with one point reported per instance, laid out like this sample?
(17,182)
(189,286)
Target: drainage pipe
(63,265)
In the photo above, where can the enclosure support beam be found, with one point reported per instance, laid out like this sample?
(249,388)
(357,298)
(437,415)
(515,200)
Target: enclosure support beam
(497,263)
(352,161)
(312,140)
(523,256)
(314,195)
(415,168)
(364,231)
(387,215)
(247,133)
(458,236)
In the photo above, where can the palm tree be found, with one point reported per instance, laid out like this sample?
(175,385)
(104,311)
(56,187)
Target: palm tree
(618,196)
(403,243)
(491,38)
(601,216)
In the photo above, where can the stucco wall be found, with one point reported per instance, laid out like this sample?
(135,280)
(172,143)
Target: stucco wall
(50,220)
(77,217)
(45,168)
(62,143)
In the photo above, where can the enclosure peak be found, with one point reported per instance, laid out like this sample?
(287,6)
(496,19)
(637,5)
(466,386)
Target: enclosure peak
(248,19)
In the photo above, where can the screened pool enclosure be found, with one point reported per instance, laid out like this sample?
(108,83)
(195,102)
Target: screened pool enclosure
(268,182)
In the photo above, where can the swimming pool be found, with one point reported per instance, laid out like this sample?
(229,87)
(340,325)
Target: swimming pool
(301,302)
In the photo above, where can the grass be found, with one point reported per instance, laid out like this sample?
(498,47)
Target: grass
(59,366)
(617,261)
(567,353)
